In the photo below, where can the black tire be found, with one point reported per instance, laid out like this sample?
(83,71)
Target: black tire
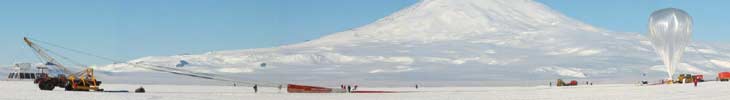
(41,86)
(46,86)
(68,87)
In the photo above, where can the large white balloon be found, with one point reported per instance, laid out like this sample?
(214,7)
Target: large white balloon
(670,32)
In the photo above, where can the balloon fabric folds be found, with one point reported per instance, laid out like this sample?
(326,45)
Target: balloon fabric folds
(670,31)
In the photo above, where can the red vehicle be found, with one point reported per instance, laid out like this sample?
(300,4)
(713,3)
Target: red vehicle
(573,83)
(723,76)
(700,78)
(563,83)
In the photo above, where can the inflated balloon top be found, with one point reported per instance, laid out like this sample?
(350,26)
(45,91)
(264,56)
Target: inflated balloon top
(670,31)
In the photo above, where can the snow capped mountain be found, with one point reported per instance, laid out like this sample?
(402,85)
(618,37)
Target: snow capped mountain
(490,41)
(433,20)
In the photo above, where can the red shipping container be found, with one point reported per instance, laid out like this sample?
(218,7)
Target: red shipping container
(723,76)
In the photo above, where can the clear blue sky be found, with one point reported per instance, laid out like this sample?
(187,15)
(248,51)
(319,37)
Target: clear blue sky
(128,29)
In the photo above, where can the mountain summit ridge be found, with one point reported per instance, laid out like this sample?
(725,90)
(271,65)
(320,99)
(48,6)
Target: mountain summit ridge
(431,19)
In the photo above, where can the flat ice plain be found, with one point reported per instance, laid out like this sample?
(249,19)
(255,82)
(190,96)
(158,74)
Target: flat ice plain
(26,90)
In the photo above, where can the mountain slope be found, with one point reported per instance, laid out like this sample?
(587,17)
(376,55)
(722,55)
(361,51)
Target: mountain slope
(490,41)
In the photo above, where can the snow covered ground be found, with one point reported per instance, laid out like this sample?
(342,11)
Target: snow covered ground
(25,90)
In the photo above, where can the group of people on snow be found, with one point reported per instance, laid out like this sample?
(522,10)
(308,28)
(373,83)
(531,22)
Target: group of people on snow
(348,88)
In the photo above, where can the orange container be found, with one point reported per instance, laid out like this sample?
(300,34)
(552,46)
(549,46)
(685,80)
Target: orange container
(723,75)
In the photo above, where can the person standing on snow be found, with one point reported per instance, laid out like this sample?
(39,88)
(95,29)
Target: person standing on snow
(349,88)
(255,88)
(695,81)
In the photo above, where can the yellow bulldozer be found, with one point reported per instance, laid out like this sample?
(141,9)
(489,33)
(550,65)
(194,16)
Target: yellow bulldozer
(689,78)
